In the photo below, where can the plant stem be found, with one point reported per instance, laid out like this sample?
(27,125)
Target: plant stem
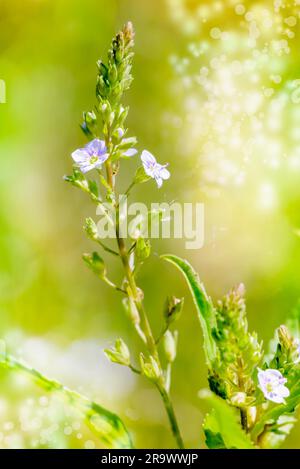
(171,415)
(136,296)
(244,419)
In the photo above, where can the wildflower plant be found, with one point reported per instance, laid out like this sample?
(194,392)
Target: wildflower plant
(253,395)
(109,145)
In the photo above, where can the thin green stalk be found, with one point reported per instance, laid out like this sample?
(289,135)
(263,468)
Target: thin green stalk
(106,248)
(113,285)
(171,415)
(135,294)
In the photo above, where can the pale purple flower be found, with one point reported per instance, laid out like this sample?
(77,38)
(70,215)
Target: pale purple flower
(130,152)
(271,382)
(153,169)
(91,156)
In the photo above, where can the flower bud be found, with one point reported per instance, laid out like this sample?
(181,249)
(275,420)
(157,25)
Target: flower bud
(173,309)
(111,118)
(113,74)
(150,368)
(143,249)
(170,345)
(90,228)
(102,68)
(285,338)
(119,353)
(131,310)
(122,114)
(238,399)
(101,87)
(90,117)
(95,263)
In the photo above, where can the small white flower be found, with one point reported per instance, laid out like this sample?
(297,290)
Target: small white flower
(271,382)
(91,156)
(153,169)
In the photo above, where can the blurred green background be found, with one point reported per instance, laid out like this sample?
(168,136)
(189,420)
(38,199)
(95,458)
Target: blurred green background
(216,94)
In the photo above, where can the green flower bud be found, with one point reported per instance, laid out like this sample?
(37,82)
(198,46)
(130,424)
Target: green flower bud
(112,74)
(285,338)
(90,228)
(90,117)
(105,109)
(150,368)
(117,135)
(95,263)
(119,353)
(131,310)
(101,87)
(102,68)
(111,118)
(173,309)
(238,399)
(143,249)
(122,114)
(170,345)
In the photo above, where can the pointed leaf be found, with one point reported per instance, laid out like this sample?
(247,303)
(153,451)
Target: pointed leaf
(203,303)
(222,425)
(108,427)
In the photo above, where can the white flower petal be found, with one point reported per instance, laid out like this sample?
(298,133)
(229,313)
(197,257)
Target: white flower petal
(274,374)
(164,173)
(130,152)
(275,398)
(149,170)
(283,391)
(80,156)
(147,157)
(96,146)
(87,167)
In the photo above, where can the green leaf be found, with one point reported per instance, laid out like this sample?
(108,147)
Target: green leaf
(221,426)
(108,427)
(203,304)
(213,437)
(93,188)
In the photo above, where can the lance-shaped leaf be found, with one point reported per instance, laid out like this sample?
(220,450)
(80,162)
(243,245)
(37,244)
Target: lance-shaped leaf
(108,427)
(221,426)
(202,301)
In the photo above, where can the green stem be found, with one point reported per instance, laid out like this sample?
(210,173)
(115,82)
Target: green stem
(113,285)
(106,248)
(171,415)
(135,295)
(244,419)
(129,188)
